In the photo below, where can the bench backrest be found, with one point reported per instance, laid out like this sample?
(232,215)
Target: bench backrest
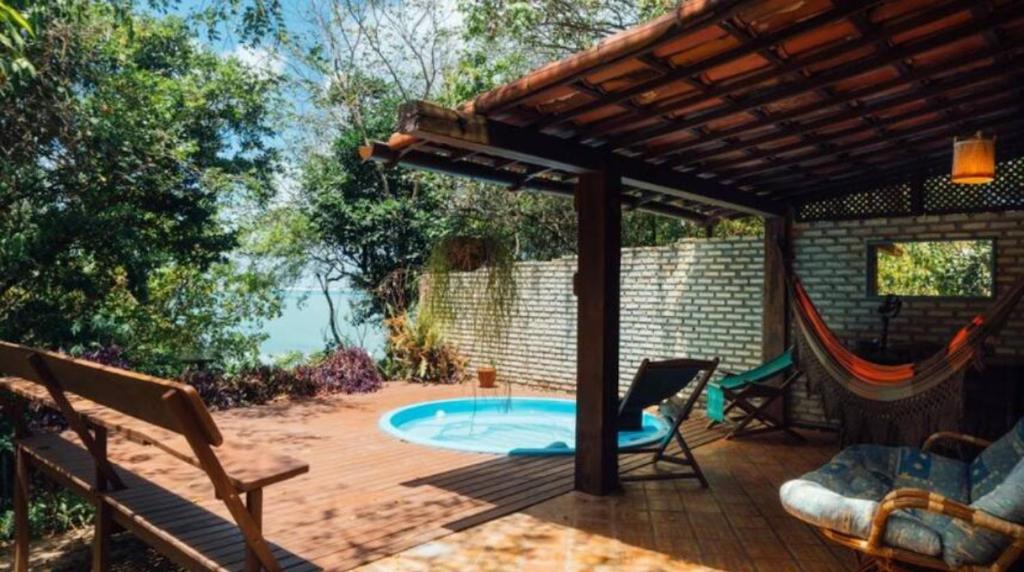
(133,394)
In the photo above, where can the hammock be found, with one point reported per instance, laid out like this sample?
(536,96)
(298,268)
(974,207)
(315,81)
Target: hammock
(893,403)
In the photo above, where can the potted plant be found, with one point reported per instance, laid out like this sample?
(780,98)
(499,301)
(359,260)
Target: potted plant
(491,255)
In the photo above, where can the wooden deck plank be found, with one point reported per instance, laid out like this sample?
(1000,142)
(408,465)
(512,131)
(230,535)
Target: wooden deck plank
(366,496)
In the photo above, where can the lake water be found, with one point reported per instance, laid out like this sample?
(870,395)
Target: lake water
(303,325)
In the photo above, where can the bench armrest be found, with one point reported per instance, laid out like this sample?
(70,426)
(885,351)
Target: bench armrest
(941,436)
(932,502)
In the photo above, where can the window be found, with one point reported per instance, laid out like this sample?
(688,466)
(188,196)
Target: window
(940,268)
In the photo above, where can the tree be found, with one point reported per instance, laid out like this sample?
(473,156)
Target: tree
(373,225)
(14,29)
(553,29)
(120,157)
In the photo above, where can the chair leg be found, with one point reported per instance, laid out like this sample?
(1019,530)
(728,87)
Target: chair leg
(691,460)
(21,499)
(759,413)
(751,414)
(101,538)
(687,460)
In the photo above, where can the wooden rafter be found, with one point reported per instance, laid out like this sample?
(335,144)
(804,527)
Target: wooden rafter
(380,152)
(476,133)
(835,75)
(726,102)
(687,72)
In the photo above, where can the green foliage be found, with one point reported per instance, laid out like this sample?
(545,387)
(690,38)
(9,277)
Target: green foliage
(121,155)
(495,298)
(551,29)
(935,268)
(14,30)
(370,223)
(50,510)
(417,352)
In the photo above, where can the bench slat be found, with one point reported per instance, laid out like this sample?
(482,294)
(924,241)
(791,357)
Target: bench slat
(249,466)
(61,457)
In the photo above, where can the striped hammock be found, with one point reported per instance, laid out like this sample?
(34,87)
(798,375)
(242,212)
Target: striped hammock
(893,403)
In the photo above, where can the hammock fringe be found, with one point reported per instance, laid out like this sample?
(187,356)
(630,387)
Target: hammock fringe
(900,404)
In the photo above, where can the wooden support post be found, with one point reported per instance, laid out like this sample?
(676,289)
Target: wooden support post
(100,436)
(254,504)
(104,524)
(598,197)
(775,310)
(21,524)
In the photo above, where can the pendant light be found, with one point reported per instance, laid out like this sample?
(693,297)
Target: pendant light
(974,160)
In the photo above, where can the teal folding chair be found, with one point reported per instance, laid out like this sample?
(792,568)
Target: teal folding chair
(655,382)
(731,399)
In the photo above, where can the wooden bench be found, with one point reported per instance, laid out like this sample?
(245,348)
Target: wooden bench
(97,400)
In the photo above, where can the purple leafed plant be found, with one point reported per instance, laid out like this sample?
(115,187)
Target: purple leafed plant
(107,355)
(347,370)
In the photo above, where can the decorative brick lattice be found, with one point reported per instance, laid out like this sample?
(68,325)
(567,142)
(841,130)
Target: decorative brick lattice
(939,196)
(884,201)
(1005,192)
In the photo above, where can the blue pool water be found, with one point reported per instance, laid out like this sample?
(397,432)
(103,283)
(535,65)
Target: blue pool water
(506,426)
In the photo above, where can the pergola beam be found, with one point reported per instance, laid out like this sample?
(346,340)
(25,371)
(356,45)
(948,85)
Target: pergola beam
(477,133)
(381,153)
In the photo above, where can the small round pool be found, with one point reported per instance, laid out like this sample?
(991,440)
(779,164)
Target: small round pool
(506,426)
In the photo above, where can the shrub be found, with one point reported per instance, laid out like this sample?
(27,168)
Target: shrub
(346,370)
(416,352)
(112,355)
(51,510)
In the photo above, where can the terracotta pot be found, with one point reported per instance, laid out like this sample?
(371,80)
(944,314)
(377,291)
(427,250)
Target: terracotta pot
(486,376)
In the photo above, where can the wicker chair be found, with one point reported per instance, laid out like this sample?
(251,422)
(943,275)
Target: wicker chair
(876,555)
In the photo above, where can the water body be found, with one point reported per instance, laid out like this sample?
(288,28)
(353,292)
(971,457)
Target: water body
(303,325)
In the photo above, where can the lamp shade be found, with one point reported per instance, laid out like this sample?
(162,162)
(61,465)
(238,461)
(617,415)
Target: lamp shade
(974,160)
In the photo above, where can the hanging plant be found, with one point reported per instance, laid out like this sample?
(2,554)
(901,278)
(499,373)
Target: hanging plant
(494,300)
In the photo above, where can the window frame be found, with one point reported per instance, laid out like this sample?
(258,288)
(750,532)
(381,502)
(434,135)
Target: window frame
(872,268)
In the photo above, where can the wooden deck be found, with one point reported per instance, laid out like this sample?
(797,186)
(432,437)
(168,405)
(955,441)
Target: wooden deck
(367,495)
(737,525)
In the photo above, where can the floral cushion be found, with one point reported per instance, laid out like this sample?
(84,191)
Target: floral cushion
(964,543)
(996,461)
(935,473)
(844,494)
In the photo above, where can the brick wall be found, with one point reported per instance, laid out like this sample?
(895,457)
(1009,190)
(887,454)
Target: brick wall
(702,298)
(698,298)
(831,259)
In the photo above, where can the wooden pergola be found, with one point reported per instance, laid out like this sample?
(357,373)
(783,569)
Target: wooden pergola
(814,109)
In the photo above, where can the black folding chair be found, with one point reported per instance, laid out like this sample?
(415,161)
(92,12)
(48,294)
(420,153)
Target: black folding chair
(655,382)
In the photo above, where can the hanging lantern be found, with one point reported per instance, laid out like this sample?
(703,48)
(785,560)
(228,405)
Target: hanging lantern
(974,160)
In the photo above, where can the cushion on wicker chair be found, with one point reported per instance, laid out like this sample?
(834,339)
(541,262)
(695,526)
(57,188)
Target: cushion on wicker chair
(963,543)
(997,460)
(843,495)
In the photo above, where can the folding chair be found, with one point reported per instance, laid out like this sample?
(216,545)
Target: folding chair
(734,394)
(655,382)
